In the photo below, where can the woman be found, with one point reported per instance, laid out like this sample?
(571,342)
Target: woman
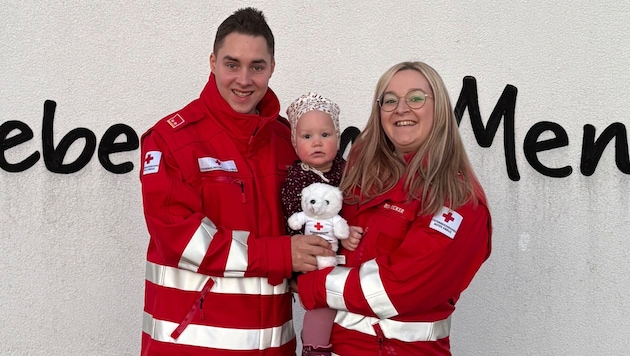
(423,225)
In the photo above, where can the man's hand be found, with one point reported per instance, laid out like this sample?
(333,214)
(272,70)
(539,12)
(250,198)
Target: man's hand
(304,248)
(351,243)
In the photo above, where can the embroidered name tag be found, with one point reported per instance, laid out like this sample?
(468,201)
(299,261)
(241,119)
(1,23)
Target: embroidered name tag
(207,164)
(394,208)
(151,162)
(446,221)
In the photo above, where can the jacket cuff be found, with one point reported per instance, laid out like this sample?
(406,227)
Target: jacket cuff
(309,290)
(278,259)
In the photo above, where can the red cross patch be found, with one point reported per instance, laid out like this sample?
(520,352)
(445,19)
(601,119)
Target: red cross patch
(446,221)
(151,163)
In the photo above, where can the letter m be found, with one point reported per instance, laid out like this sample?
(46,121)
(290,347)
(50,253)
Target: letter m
(484,135)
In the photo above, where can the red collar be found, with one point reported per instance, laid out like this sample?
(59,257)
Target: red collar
(244,128)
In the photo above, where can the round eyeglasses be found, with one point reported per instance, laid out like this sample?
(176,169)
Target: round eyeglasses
(415,99)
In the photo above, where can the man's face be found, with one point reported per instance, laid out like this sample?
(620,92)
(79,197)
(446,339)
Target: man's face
(242,67)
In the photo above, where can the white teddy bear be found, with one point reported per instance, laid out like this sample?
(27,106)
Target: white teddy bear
(321,204)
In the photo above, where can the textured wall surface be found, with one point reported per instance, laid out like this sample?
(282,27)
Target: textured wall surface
(73,245)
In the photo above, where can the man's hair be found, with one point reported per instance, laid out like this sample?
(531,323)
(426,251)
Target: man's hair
(247,21)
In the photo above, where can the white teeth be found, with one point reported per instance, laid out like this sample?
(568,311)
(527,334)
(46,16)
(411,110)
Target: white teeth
(404,123)
(242,94)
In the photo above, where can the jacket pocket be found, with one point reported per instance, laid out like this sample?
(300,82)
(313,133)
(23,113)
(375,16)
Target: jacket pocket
(223,196)
(392,229)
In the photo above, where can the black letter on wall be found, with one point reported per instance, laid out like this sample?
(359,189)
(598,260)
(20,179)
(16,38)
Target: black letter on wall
(592,149)
(349,135)
(505,107)
(53,158)
(108,146)
(5,143)
(531,146)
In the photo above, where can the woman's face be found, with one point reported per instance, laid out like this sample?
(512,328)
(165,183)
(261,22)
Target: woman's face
(407,128)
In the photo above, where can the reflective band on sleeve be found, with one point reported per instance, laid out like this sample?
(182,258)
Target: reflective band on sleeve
(172,277)
(335,284)
(219,338)
(374,291)
(182,279)
(198,245)
(407,331)
(237,258)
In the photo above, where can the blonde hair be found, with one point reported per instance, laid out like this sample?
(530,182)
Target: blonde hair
(439,174)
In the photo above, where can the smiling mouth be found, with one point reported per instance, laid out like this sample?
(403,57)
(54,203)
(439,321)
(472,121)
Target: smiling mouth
(242,94)
(404,123)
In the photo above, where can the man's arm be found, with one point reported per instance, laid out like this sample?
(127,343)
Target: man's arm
(183,237)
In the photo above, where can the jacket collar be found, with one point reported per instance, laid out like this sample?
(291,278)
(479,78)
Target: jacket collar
(247,130)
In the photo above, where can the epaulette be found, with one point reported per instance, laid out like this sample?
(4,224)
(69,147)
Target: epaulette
(180,119)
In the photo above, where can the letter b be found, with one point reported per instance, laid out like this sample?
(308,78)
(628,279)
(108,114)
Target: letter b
(53,157)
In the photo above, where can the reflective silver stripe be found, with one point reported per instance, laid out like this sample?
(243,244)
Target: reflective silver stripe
(407,331)
(182,279)
(374,291)
(237,258)
(175,278)
(219,338)
(198,245)
(335,284)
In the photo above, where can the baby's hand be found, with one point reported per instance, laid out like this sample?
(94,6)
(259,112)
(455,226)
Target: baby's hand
(351,243)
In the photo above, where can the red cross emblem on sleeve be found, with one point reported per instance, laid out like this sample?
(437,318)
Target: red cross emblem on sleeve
(446,221)
(151,162)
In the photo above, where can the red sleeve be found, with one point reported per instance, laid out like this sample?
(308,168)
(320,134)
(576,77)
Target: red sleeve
(427,269)
(182,236)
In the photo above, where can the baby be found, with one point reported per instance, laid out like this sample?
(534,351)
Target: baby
(316,137)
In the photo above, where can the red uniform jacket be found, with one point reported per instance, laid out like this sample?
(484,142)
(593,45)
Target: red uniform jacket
(399,287)
(217,260)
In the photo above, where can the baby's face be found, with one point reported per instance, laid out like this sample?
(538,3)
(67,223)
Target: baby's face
(316,140)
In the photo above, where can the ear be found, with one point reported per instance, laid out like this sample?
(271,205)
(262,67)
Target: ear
(213,62)
(272,67)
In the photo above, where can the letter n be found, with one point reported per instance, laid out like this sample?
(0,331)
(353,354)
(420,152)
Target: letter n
(592,149)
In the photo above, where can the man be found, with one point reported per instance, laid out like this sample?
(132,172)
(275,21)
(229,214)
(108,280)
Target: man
(218,257)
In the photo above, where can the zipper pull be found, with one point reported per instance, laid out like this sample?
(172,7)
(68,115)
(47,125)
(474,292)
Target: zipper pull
(251,138)
(240,182)
(201,308)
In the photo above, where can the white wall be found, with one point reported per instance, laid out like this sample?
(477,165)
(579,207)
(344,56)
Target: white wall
(73,245)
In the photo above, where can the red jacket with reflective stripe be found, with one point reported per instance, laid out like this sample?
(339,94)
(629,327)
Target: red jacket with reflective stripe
(421,269)
(211,186)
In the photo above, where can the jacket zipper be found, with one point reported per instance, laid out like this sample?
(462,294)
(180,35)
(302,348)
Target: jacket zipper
(230,180)
(379,335)
(358,256)
(251,138)
(242,184)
